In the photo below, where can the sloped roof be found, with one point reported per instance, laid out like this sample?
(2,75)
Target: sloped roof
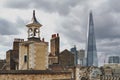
(34,21)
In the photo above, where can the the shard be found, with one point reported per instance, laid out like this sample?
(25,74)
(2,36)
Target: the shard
(91,51)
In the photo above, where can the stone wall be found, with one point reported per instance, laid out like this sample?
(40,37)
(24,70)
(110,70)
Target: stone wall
(34,75)
(12,59)
(33,55)
(12,56)
(66,58)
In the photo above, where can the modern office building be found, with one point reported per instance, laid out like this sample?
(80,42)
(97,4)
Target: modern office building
(114,59)
(81,57)
(75,52)
(91,51)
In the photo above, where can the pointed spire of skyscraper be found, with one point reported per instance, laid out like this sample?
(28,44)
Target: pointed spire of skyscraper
(91,44)
(91,19)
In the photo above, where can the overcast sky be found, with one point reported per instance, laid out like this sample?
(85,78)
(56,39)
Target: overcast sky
(69,18)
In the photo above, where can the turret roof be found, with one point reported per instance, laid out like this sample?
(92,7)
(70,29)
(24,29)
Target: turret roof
(33,21)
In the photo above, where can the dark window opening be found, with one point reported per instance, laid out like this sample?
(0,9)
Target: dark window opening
(25,58)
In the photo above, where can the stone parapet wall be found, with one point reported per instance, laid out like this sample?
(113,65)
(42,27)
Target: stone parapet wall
(34,75)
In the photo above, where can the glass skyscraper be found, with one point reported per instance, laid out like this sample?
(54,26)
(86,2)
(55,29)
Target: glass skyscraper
(75,52)
(91,51)
(114,59)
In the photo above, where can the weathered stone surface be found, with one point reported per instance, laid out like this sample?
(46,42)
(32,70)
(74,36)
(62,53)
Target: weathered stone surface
(34,75)
(66,58)
(37,55)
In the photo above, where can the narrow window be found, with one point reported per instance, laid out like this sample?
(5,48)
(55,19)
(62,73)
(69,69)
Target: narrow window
(25,58)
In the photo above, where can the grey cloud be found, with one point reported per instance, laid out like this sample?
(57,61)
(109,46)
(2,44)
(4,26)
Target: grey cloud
(110,43)
(11,28)
(106,20)
(71,30)
(115,5)
(61,6)
(8,28)
(6,40)
(106,27)
(74,26)
(20,24)
(17,4)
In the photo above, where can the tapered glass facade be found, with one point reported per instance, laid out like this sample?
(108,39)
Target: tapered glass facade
(91,51)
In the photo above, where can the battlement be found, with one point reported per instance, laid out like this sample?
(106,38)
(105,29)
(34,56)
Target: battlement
(18,40)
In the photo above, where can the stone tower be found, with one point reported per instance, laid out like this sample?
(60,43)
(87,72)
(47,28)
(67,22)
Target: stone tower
(12,56)
(91,44)
(34,52)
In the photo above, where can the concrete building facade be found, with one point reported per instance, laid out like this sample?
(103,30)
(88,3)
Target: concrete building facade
(81,57)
